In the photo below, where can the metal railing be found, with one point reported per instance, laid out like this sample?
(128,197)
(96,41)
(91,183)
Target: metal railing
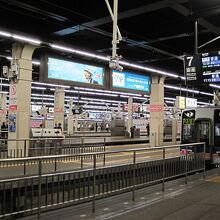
(9,148)
(42,192)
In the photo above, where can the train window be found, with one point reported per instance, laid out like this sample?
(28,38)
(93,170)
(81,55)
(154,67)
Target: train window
(188,134)
(202,129)
(217,129)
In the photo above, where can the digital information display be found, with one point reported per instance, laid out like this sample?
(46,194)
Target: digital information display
(202,68)
(188,117)
(126,80)
(211,67)
(78,72)
(192,68)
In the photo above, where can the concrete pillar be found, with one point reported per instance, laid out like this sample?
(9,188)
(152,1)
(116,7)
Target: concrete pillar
(174,128)
(174,125)
(59,106)
(156,111)
(3,110)
(130,111)
(20,98)
(70,118)
(76,121)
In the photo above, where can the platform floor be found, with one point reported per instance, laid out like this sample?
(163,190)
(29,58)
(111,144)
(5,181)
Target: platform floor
(198,200)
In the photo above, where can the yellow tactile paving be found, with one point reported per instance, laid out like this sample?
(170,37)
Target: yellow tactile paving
(110,159)
(215,179)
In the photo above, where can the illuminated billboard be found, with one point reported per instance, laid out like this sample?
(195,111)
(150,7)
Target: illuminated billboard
(127,80)
(77,72)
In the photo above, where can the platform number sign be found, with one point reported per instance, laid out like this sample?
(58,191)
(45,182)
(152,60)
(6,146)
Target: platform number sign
(192,68)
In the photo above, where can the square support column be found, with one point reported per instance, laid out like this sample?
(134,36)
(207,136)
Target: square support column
(70,118)
(130,111)
(156,111)
(20,100)
(3,110)
(59,106)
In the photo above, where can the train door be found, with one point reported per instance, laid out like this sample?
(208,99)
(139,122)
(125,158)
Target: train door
(203,132)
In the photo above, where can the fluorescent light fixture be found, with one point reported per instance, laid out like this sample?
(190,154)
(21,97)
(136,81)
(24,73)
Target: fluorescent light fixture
(44,95)
(204,103)
(37,63)
(169,98)
(5,34)
(26,39)
(62,48)
(4,84)
(206,93)
(38,88)
(71,50)
(181,89)
(124,96)
(183,77)
(70,91)
(103,100)
(3,92)
(167,101)
(40,98)
(95,93)
(214,86)
(149,69)
(50,84)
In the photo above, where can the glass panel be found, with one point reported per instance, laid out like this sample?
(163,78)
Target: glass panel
(188,134)
(203,132)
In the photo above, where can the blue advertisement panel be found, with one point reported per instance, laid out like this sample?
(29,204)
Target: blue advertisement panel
(126,80)
(78,72)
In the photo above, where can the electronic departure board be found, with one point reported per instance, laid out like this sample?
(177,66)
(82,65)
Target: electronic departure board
(192,68)
(202,68)
(211,67)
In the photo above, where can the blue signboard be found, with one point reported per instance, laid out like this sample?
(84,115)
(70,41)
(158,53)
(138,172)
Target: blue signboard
(132,81)
(78,72)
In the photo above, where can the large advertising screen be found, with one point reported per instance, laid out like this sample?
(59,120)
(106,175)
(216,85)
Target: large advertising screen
(127,80)
(77,72)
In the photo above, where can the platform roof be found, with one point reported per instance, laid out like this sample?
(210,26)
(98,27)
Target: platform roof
(156,33)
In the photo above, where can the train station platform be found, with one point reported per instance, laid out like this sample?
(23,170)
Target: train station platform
(197,200)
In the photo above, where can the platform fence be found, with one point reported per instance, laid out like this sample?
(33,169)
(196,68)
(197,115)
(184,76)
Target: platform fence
(42,192)
(18,148)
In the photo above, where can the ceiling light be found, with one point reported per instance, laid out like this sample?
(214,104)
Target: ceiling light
(206,93)
(39,88)
(167,101)
(50,84)
(36,63)
(26,39)
(169,98)
(214,86)
(181,89)
(33,62)
(5,34)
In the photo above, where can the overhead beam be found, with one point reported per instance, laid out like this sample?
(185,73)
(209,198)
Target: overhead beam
(31,8)
(139,44)
(122,15)
(184,11)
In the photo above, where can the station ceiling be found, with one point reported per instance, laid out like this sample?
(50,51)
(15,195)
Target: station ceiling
(156,33)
